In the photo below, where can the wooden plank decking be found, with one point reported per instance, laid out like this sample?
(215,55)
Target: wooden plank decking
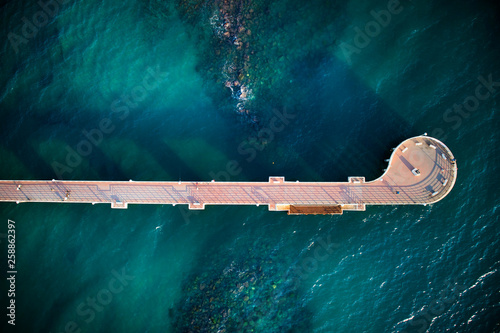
(397,186)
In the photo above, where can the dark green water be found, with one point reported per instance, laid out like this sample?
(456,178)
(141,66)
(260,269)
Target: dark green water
(152,75)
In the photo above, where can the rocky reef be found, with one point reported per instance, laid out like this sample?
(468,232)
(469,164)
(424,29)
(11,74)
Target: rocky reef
(227,61)
(256,53)
(245,294)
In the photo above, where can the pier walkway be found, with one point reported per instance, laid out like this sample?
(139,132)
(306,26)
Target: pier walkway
(421,170)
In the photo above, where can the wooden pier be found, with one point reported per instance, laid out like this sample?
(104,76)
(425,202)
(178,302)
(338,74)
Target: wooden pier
(420,171)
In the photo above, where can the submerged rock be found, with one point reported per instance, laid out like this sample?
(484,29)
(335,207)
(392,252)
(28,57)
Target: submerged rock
(248,294)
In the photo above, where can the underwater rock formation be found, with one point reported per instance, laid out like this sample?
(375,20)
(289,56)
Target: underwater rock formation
(230,21)
(244,295)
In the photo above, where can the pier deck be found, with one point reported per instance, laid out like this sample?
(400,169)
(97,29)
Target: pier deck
(397,186)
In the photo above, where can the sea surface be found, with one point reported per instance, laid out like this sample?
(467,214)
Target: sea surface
(146,90)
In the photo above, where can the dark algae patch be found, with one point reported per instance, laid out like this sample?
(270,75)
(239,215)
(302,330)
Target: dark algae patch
(244,294)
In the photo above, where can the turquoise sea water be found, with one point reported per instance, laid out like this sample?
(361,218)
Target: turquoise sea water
(152,75)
